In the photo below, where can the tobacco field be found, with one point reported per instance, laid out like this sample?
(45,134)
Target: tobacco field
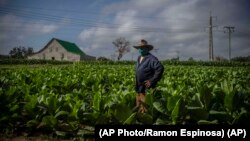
(70,100)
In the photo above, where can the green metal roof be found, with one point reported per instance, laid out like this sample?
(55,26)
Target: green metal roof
(71,47)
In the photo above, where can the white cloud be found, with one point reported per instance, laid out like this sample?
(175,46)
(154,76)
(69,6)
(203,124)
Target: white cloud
(174,27)
(48,28)
(15,31)
(38,28)
(11,22)
(87,34)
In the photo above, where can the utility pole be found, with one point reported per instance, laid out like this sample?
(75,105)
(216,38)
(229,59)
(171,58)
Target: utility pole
(211,46)
(229,29)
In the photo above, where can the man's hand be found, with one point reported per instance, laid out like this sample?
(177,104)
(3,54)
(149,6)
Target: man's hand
(147,83)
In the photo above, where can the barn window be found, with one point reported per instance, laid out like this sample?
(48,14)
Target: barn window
(57,49)
(44,56)
(62,57)
(50,50)
(52,58)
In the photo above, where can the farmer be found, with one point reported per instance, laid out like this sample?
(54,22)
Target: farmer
(148,72)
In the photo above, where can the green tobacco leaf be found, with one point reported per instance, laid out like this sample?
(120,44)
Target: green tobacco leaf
(195,101)
(14,108)
(61,113)
(159,107)
(131,119)
(32,123)
(4,119)
(97,101)
(52,104)
(15,115)
(221,116)
(178,110)
(229,95)
(206,96)
(197,113)
(145,118)
(231,101)
(103,119)
(160,121)
(31,104)
(60,133)
(122,112)
(242,118)
(73,125)
(226,87)
(49,121)
(85,132)
(149,99)
(172,101)
(207,122)
(92,117)
(74,109)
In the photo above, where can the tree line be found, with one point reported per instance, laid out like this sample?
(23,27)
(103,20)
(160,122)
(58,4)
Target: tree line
(19,52)
(121,46)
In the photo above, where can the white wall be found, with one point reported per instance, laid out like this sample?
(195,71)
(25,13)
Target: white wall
(55,50)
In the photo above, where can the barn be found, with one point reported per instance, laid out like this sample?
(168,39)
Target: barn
(60,50)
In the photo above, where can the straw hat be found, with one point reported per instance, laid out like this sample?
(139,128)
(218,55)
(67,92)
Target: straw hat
(143,44)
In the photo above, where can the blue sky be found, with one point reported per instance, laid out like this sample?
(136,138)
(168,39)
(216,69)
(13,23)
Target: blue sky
(174,27)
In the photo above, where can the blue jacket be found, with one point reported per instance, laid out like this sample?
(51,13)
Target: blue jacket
(149,69)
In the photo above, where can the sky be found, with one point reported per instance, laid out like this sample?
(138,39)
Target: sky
(176,28)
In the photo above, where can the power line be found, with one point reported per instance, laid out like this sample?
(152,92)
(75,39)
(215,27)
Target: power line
(32,8)
(33,11)
(81,22)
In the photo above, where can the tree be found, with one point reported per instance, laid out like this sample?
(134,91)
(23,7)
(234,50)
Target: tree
(122,46)
(20,52)
(103,59)
(241,59)
(175,59)
(190,59)
(29,51)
